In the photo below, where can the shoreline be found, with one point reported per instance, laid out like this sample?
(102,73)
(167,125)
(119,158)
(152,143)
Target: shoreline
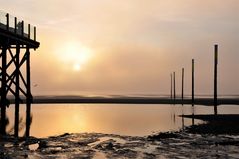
(128,100)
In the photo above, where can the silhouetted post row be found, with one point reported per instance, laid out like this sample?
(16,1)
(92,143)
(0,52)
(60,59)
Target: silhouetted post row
(215,77)
(13,25)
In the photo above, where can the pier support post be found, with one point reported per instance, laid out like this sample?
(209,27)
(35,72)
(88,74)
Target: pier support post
(17,93)
(3,90)
(29,96)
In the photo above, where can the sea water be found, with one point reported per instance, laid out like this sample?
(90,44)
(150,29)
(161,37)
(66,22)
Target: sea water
(122,119)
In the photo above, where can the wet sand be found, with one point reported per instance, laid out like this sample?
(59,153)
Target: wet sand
(101,146)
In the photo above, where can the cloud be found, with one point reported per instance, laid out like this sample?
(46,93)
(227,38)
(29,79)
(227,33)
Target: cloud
(138,43)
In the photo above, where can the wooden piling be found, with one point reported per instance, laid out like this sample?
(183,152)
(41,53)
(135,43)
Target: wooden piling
(22,28)
(182,85)
(35,33)
(182,97)
(29,31)
(3,90)
(15,25)
(29,96)
(7,17)
(193,91)
(174,87)
(17,92)
(193,82)
(215,77)
(171,86)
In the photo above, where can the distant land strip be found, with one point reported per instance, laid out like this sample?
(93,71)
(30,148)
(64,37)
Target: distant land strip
(129,100)
(211,117)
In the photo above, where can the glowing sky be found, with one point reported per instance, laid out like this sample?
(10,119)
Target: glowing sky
(130,46)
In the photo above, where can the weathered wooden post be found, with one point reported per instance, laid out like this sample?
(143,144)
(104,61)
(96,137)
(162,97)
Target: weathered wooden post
(215,77)
(192,91)
(35,33)
(17,93)
(171,86)
(182,97)
(174,87)
(7,17)
(182,85)
(3,90)
(22,28)
(29,31)
(29,96)
(15,25)
(192,82)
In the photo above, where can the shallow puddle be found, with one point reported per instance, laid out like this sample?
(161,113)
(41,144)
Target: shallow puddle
(33,147)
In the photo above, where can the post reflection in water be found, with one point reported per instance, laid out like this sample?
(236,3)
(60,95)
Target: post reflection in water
(182,118)
(193,110)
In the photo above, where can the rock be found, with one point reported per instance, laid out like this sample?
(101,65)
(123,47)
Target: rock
(163,136)
(109,146)
(65,134)
(42,144)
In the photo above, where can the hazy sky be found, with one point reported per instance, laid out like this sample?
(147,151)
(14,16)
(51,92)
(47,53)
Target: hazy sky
(130,46)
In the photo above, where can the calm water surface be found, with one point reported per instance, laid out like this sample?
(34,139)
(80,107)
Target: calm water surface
(123,119)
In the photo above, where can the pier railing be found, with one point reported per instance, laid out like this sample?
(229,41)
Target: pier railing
(17,26)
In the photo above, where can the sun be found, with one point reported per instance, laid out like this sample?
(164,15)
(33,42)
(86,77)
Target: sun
(76,67)
(75,56)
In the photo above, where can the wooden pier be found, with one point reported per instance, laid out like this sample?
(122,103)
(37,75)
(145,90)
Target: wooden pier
(17,38)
